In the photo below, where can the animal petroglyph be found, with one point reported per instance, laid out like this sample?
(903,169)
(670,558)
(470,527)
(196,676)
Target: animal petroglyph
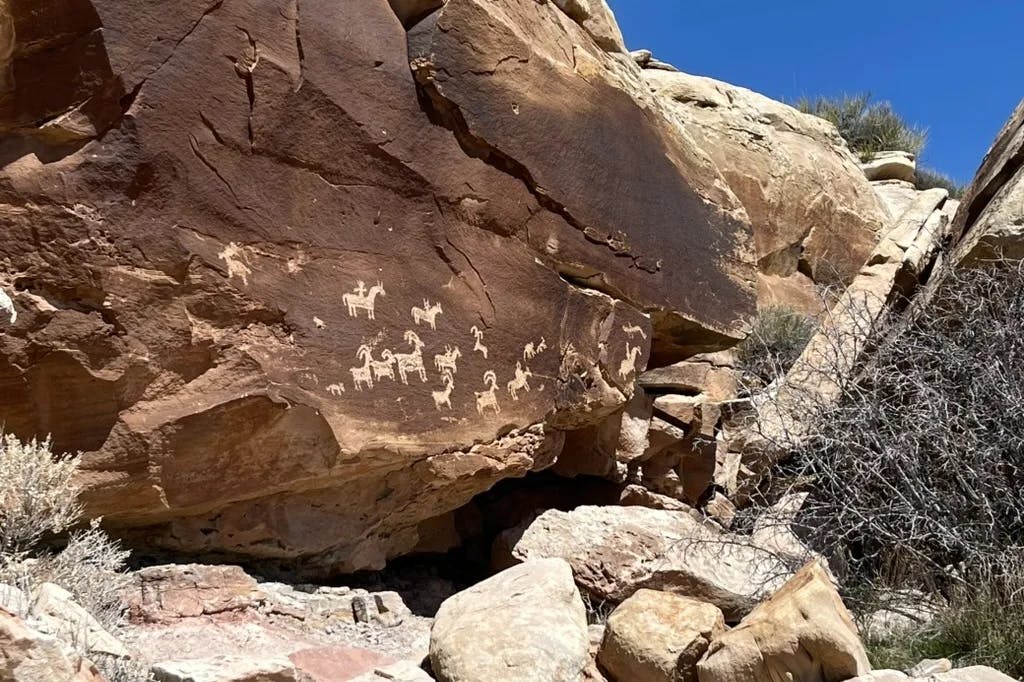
(361,299)
(428,313)
(531,351)
(411,362)
(479,336)
(520,382)
(444,398)
(385,367)
(632,330)
(363,375)
(320,324)
(489,398)
(336,389)
(7,306)
(235,258)
(628,364)
(446,362)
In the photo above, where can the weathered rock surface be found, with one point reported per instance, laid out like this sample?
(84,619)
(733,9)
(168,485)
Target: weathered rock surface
(403,671)
(991,215)
(893,165)
(814,214)
(53,611)
(802,633)
(971,674)
(614,551)
(525,623)
(173,591)
(29,656)
(293,296)
(227,669)
(658,637)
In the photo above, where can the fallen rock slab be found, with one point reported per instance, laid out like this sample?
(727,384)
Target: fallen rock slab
(526,623)
(976,673)
(801,633)
(403,671)
(614,551)
(55,612)
(658,637)
(227,669)
(166,593)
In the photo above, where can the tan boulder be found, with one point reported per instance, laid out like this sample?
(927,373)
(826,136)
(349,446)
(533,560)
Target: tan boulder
(54,611)
(29,656)
(814,214)
(523,624)
(970,674)
(658,637)
(614,551)
(896,195)
(890,165)
(802,633)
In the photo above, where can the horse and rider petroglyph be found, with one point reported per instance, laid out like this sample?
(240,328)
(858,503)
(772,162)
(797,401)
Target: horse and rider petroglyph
(361,299)
(428,313)
(520,382)
(447,361)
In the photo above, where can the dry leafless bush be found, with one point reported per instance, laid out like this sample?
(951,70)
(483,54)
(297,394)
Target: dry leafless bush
(37,494)
(777,337)
(915,472)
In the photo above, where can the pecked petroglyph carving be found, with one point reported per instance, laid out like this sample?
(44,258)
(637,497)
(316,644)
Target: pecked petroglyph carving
(521,382)
(447,361)
(336,389)
(628,364)
(531,351)
(428,313)
(363,375)
(411,362)
(236,259)
(361,299)
(478,345)
(444,398)
(320,324)
(7,306)
(632,330)
(489,398)
(385,367)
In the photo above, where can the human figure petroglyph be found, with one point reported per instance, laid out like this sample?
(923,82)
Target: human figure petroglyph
(7,306)
(444,398)
(385,367)
(336,389)
(479,336)
(447,361)
(361,299)
(428,313)
(411,362)
(531,351)
(628,364)
(521,382)
(632,330)
(235,258)
(363,375)
(488,398)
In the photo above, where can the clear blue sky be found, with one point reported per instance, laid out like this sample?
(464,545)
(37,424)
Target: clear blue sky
(955,67)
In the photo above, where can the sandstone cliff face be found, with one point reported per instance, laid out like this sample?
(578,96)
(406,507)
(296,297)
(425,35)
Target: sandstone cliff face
(815,216)
(297,281)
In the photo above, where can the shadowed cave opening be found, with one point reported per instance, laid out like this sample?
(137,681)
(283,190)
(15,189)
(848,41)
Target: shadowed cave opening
(462,548)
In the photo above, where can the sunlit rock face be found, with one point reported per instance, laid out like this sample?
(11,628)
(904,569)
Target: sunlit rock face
(298,281)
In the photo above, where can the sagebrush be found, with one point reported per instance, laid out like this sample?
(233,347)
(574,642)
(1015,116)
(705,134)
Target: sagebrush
(868,127)
(777,337)
(927,178)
